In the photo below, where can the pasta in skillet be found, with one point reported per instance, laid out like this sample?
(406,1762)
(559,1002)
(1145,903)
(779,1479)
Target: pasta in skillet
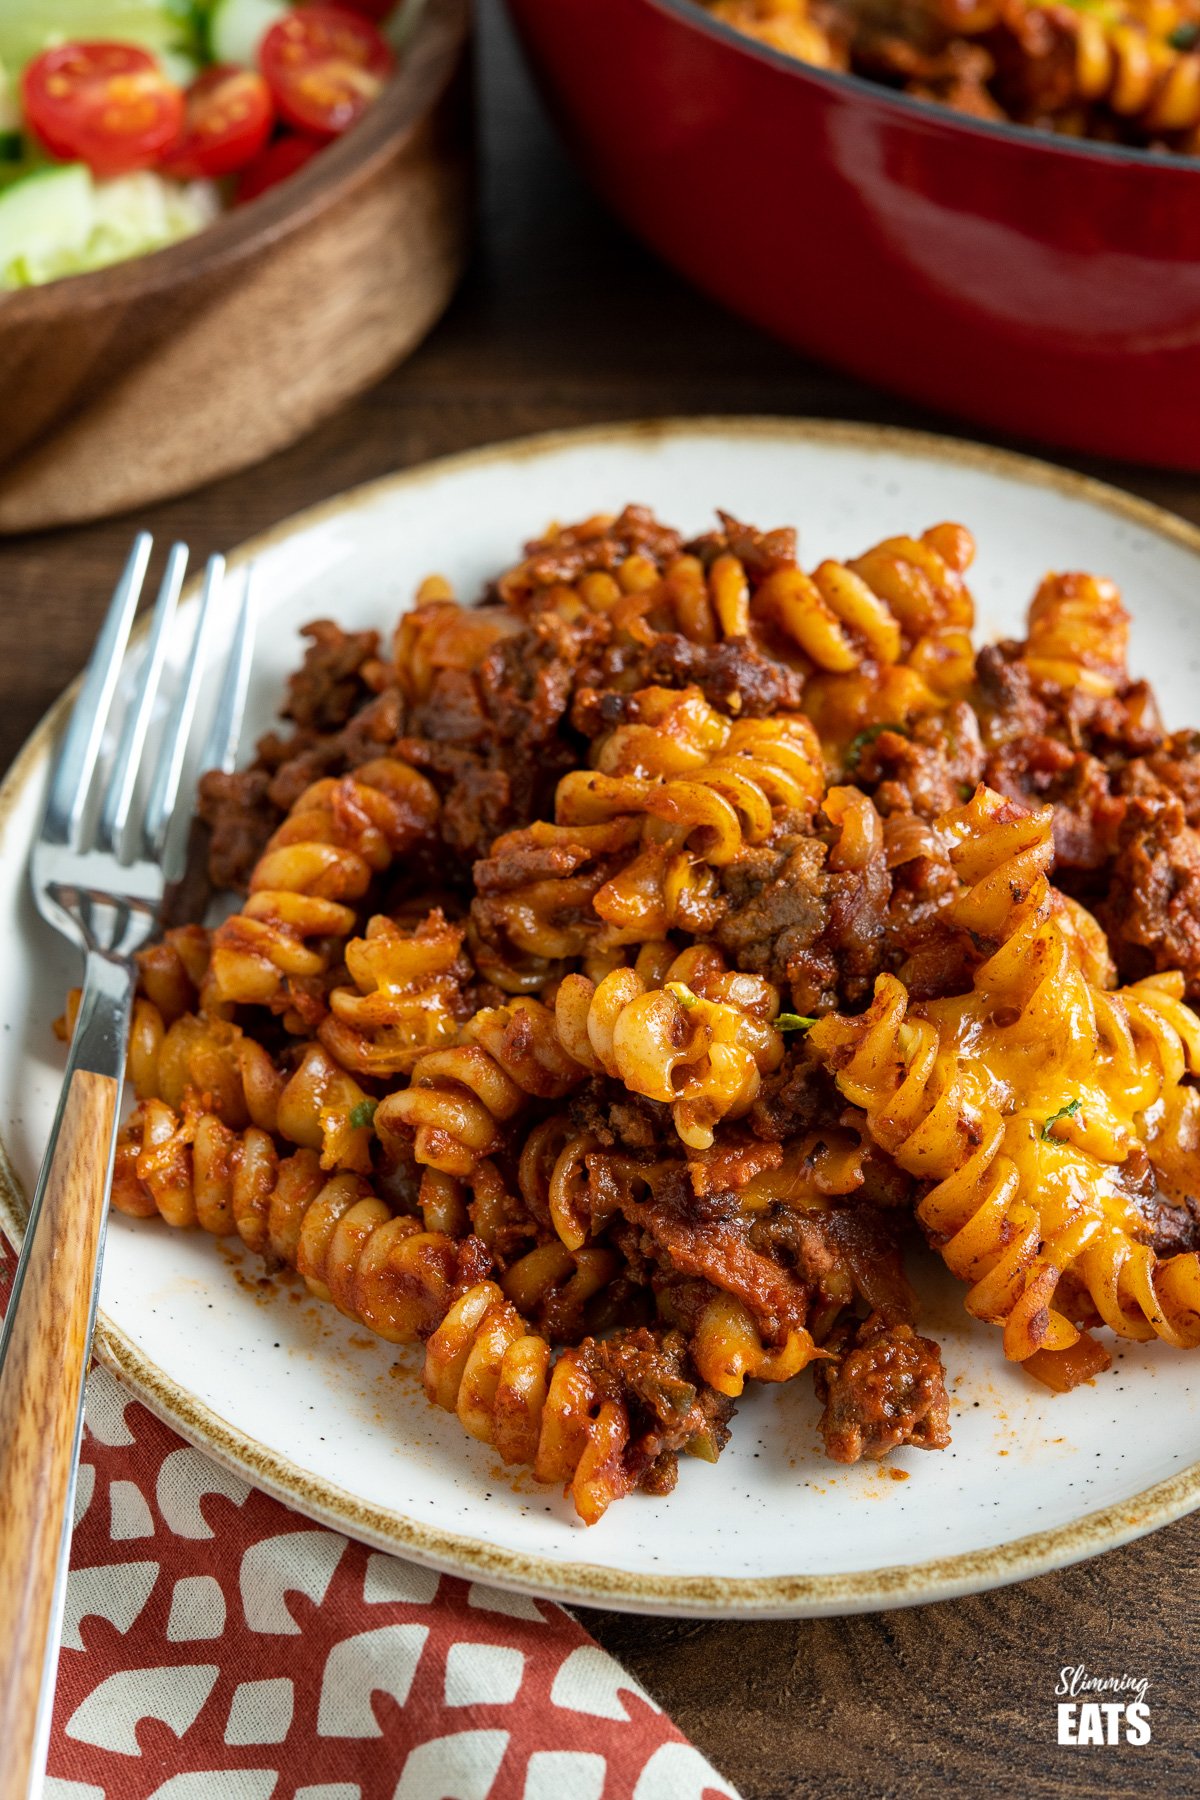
(1127,72)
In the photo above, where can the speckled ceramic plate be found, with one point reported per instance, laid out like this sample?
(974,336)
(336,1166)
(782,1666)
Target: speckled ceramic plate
(334,1422)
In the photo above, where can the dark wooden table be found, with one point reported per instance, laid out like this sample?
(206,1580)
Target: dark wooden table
(564,321)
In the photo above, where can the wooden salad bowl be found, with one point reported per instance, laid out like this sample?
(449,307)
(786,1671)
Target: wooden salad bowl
(145,379)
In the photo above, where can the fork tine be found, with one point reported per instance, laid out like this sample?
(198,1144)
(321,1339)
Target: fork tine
(221,747)
(164,790)
(75,765)
(118,798)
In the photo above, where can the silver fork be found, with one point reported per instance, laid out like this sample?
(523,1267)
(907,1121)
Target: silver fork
(99,869)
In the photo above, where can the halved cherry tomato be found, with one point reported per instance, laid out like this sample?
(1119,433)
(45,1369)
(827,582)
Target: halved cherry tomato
(227,121)
(276,163)
(375,10)
(324,67)
(108,105)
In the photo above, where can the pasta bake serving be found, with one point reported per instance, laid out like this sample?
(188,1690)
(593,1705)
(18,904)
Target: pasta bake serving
(628,967)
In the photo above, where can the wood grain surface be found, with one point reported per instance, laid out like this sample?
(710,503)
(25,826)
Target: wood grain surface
(564,321)
(39,1408)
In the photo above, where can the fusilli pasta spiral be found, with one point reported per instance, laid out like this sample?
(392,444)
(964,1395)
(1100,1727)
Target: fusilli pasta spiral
(728,1348)
(459,1099)
(637,843)
(1031,1141)
(205,1056)
(337,837)
(703,788)
(570,1418)
(439,638)
(408,996)
(1138,73)
(1078,634)
(383,1270)
(218,1067)
(171,972)
(700,1041)
(888,634)
(483,1364)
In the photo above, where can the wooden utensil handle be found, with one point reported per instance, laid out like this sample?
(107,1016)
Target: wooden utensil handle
(46,1344)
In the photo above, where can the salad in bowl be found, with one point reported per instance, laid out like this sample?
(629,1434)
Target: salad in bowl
(128,124)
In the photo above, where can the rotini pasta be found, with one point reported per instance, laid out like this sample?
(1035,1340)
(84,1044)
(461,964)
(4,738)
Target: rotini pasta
(1128,64)
(439,641)
(171,972)
(635,852)
(485,1366)
(890,604)
(700,1042)
(381,1269)
(1078,634)
(498,1056)
(1128,71)
(220,1068)
(888,633)
(338,836)
(570,1420)
(728,1348)
(206,1056)
(459,1099)
(408,997)
(1031,1142)
(703,790)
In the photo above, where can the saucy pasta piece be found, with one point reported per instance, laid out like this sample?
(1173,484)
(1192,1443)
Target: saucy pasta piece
(318,865)
(1030,1106)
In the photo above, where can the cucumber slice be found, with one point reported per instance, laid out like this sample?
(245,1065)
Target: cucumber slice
(399,25)
(47,212)
(135,213)
(128,215)
(27,26)
(178,67)
(236,28)
(10,106)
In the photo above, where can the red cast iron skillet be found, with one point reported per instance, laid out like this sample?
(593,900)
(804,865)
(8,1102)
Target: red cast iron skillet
(1036,285)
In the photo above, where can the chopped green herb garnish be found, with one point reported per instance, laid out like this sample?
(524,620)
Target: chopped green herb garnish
(362,1114)
(1064,1112)
(683,994)
(1184,37)
(792,1022)
(866,738)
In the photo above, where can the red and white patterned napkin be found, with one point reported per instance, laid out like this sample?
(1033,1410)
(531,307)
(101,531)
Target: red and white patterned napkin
(218,1646)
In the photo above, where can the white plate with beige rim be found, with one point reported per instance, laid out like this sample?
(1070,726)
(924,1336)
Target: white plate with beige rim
(304,1405)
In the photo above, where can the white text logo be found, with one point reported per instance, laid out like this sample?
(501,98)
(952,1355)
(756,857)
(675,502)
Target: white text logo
(1084,1720)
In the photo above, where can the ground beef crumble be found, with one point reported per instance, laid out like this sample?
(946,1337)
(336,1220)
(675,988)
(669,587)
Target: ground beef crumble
(882,1387)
